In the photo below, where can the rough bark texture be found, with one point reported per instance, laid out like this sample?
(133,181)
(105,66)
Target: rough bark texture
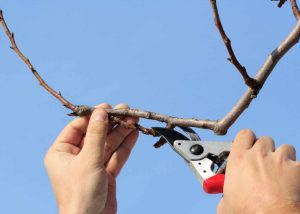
(218,126)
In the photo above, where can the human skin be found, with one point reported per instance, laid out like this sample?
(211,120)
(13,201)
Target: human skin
(260,179)
(87,156)
(85,160)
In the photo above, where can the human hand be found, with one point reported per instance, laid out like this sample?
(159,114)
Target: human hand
(259,179)
(85,160)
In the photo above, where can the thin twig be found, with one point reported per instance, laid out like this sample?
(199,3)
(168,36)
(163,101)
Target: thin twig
(252,83)
(281,3)
(262,75)
(162,141)
(295,9)
(15,48)
(77,110)
(221,126)
(218,126)
(136,126)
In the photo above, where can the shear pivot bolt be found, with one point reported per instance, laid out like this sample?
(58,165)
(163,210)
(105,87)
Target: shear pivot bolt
(196,149)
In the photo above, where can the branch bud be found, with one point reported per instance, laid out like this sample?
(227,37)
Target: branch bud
(82,110)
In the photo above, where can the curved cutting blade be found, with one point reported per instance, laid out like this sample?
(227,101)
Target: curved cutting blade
(170,135)
(193,135)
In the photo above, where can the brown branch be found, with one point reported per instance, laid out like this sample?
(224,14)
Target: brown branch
(80,110)
(162,141)
(218,126)
(280,3)
(262,75)
(136,126)
(252,83)
(295,9)
(15,48)
(221,126)
(294,5)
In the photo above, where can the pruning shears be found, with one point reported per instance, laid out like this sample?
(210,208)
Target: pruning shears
(207,159)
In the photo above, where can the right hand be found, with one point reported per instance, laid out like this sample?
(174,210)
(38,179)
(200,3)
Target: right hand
(259,179)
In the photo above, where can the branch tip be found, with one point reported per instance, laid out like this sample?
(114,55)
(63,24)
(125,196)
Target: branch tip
(160,143)
(219,127)
(295,9)
(227,42)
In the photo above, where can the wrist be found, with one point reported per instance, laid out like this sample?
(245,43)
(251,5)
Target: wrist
(78,208)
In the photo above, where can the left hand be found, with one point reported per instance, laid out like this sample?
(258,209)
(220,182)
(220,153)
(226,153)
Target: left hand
(85,160)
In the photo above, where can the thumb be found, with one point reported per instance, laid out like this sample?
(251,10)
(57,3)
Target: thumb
(93,148)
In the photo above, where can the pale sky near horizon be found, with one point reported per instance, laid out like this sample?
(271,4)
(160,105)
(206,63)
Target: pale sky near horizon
(164,56)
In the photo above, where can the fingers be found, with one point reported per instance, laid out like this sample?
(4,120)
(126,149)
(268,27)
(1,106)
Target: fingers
(93,147)
(244,140)
(121,155)
(264,145)
(119,106)
(67,148)
(286,151)
(106,106)
(73,132)
(116,137)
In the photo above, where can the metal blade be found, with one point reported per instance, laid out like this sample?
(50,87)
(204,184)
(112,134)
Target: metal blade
(193,135)
(170,135)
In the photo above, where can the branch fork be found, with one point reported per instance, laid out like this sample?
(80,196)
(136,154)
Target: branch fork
(217,126)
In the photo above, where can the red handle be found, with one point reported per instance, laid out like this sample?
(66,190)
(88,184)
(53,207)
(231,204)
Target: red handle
(214,184)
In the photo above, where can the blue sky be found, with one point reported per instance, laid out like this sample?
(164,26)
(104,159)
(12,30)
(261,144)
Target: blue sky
(164,56)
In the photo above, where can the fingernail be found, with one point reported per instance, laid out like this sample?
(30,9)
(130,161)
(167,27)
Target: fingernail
(99,115)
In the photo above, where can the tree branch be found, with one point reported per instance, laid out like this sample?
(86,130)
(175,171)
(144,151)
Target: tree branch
(295,9)
(252,83)
(15,48)
(218,126)
(221,126)
(77,110)
(294,5)
(281,2)
(262,75)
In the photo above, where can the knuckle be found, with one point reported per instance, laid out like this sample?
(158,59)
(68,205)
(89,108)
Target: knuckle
(246,132)
(286,151)
(266,139)
(104,105)
(122,105)
(287,147)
